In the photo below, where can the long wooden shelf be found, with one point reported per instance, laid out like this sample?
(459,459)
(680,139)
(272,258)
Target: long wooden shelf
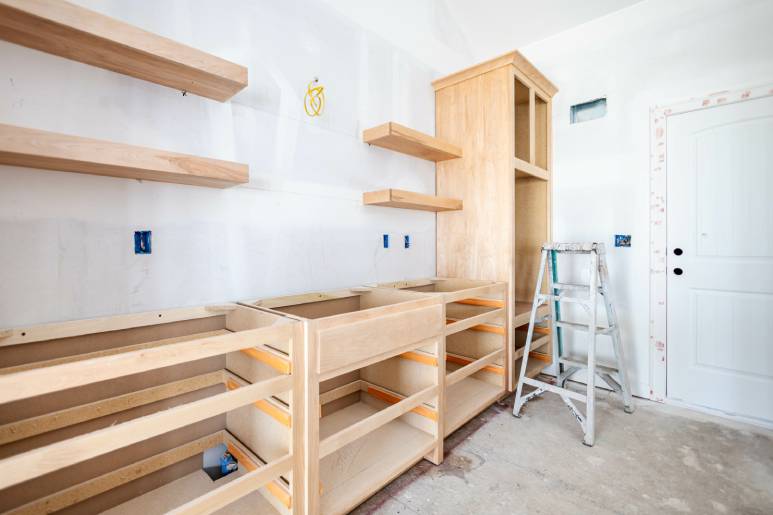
(410,200)
(396,137)
(71,31)
(34,148)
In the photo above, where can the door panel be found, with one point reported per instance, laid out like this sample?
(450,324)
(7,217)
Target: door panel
(720,215)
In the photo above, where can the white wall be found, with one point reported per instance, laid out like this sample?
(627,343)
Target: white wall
(66,247)
(653,53)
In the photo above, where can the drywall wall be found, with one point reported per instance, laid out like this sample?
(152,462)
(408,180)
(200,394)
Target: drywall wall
(449,35)
(656,52)
(66,240)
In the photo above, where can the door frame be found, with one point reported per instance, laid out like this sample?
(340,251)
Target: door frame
(658,344)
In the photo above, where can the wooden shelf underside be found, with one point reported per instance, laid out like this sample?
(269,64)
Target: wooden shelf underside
(410,200)
(359,469)
(34,148)
(408,141)
(76,33)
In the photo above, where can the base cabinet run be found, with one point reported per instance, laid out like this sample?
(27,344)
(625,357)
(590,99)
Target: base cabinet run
(323,398)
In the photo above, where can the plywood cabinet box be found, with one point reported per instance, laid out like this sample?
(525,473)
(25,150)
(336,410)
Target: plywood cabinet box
(475,333)
(96,412)
(499,113)
(370,413)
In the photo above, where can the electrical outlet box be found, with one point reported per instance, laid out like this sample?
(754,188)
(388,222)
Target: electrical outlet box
(407,241)
(386,241)
(142,242)
(622,240)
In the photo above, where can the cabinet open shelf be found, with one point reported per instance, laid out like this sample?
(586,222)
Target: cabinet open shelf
(467,398)
(351,474)
(77,33)
(408,141)
(538,341)
(522,312)
(34,148)
(525,170)
(410,200)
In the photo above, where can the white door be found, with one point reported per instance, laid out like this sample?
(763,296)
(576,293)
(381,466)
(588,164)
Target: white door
(720,238)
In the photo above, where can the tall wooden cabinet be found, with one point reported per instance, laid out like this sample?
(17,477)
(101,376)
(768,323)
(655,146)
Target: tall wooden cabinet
(499,113)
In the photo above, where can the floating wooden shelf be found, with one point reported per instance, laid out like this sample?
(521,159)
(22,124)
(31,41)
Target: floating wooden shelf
(71,31)
(408,141)
(526,170)
(410,200)
(60,152)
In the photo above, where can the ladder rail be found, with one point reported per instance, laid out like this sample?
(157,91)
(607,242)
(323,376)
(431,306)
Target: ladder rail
(536,302)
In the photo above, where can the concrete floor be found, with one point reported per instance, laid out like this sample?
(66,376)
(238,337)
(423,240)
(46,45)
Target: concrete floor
(660,459)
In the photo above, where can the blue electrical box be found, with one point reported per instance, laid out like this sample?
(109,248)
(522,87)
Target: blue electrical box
(228,463)
(386,241)
(407,241)
(142,242)
(622,240)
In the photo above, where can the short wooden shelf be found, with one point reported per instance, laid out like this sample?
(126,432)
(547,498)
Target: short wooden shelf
(408,141)
(76,33)
(34,148)
(524,169)
(410,200)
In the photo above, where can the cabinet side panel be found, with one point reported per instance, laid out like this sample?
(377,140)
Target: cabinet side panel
(477,114)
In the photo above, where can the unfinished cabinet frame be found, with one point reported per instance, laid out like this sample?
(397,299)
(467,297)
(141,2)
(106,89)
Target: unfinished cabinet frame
(477,357)
(499,111)
(370,413)
(95,412)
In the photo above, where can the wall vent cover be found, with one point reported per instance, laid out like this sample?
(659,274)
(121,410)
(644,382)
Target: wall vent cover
(587,111)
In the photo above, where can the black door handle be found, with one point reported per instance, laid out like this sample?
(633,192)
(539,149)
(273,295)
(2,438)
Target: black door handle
(678,271)
(678,251)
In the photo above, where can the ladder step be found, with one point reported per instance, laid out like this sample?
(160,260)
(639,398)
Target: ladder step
(570,286)
(583,327)
(561,298)
(578,362)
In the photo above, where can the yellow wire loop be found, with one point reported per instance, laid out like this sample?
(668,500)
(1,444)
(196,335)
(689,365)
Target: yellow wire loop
(314,101)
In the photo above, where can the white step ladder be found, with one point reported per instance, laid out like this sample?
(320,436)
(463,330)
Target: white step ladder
(562,292)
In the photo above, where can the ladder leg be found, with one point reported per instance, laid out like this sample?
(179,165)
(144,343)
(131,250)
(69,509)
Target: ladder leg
(556,352)
(590,406)
(616,341)
(527,346)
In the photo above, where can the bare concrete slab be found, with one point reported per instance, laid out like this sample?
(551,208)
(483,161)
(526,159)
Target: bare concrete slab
(659,459)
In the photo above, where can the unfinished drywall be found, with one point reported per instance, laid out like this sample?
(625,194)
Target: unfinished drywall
(653,53)
(67,239)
